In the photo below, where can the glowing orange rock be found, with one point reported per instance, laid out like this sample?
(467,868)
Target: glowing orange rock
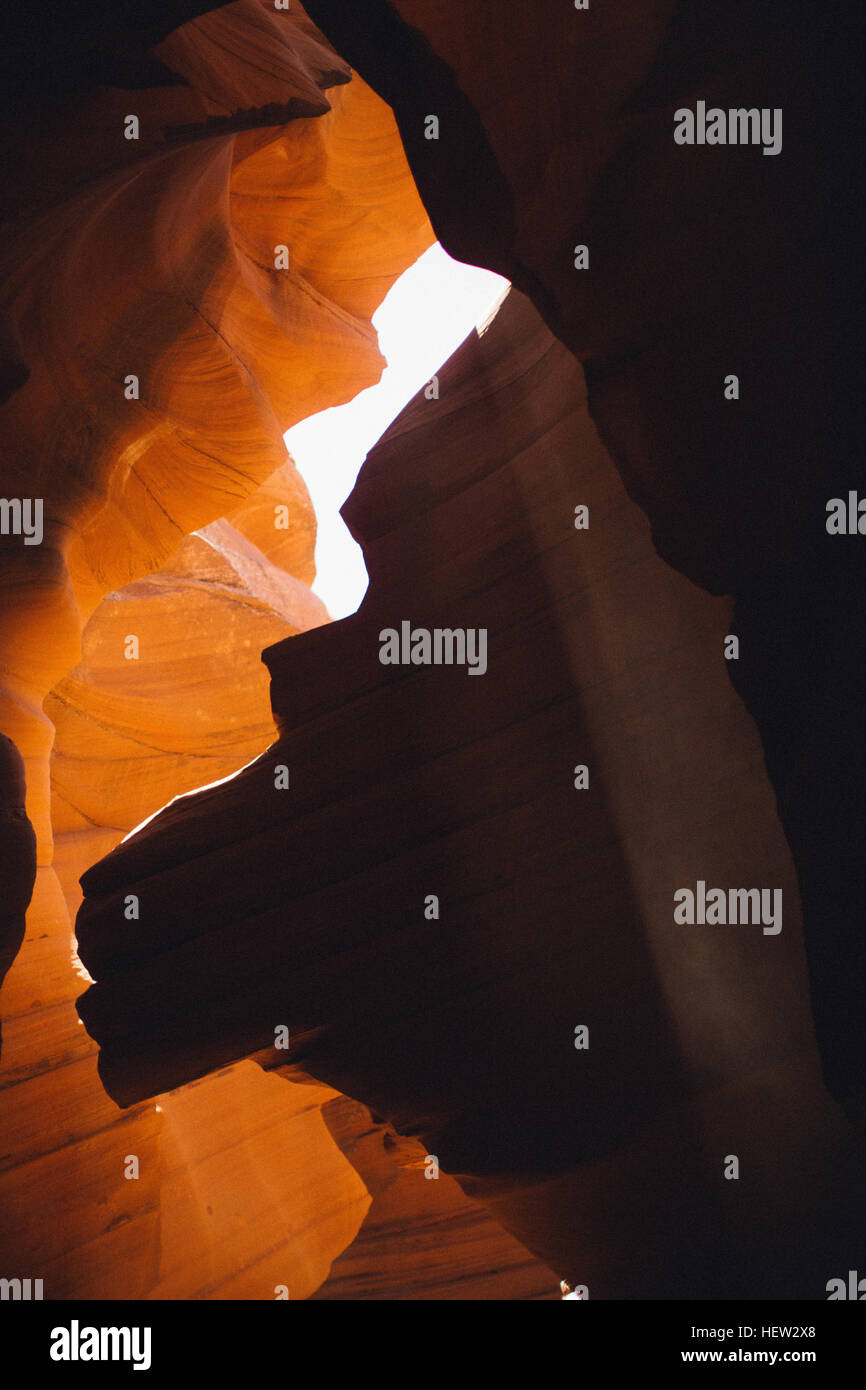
(153,353)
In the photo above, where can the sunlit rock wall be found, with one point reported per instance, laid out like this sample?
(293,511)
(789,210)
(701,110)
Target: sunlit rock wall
(153,356)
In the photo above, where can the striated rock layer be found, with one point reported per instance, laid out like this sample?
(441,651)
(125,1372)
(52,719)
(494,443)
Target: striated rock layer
(155,259)
(188,702)
(704,261)
(305,906)
(422,1238)
(160,265)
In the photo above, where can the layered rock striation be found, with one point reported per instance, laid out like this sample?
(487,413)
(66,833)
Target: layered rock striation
(457,930)
(153,356)
(704,261)
(298,894)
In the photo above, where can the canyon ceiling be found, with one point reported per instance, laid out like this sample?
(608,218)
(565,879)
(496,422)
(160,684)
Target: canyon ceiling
(154,350)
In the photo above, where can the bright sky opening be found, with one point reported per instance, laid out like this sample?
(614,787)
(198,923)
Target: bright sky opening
(426,315)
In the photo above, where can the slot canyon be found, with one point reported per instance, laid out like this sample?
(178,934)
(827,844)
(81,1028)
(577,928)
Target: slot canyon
(225,818)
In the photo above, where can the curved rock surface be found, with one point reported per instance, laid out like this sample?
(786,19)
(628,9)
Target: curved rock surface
(703,261)
(160,266)
(170,693)
(155,258)
(17,855)
(422,1238)
(305,905)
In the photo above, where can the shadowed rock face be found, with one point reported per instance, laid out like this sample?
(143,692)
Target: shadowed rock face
(305,906)
(158,262)
(17,854)
(422,1239)
(704,261)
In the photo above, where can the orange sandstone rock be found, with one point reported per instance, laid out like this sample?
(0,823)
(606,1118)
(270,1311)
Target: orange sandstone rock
(153,355)
(306,905)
